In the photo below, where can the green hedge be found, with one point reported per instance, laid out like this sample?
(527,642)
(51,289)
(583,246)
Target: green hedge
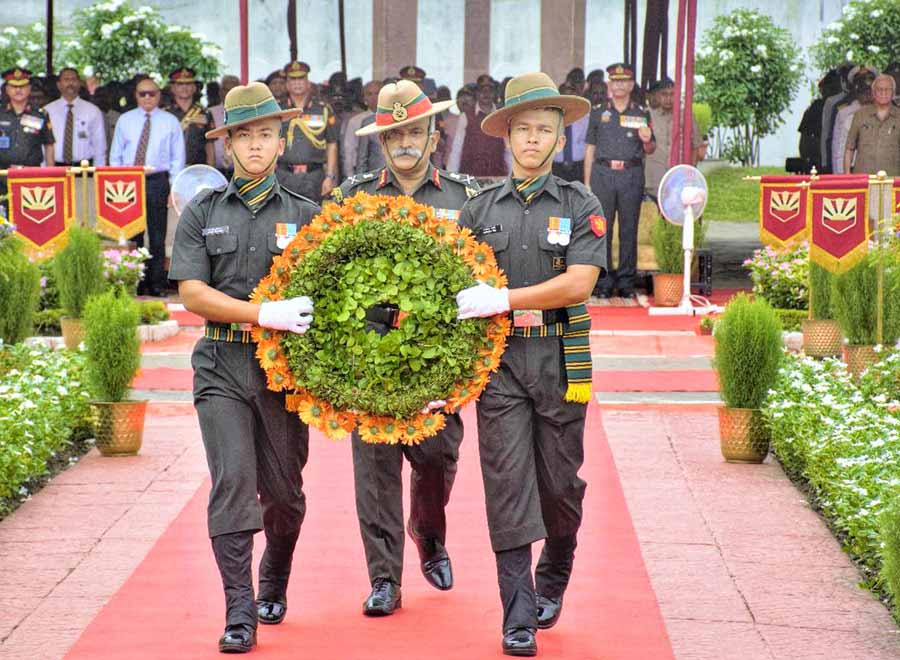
(842,440)
(43,408)
(791,319)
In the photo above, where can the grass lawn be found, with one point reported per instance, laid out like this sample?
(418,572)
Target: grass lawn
(732,199)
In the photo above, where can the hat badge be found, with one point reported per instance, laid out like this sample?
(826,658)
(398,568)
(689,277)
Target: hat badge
(399,113)
(18,75)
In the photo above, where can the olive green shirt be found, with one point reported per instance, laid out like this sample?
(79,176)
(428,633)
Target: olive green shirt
(220,241)
(518,232)
(876,142)
(446,192)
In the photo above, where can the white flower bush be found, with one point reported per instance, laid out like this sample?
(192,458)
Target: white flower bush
(843,440)
(869,28)
(43,405)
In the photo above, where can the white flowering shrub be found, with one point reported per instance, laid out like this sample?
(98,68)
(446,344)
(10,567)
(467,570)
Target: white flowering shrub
(867,33)
(748,70)
(24,47)
(116,41)
(43,405)
(843,440)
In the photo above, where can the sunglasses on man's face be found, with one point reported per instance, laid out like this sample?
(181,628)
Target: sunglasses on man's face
(148,93)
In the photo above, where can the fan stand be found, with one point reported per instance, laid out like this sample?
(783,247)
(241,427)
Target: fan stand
(686,306)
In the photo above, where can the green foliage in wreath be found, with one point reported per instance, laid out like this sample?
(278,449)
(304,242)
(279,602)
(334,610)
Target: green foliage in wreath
(340,360)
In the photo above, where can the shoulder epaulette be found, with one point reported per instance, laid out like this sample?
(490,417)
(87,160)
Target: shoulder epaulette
(359,179)
(481,191)
(577,186)
(298,196)
(458,177)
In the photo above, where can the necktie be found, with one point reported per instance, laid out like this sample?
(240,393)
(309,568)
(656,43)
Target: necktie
(569,149)
(141,154)
(67,138)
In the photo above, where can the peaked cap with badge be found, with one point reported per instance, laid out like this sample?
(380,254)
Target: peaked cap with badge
(17,77)
(414,73)
(528,92)
(296,69)
(183,75)
(399,104)
(620,71)
(249,103)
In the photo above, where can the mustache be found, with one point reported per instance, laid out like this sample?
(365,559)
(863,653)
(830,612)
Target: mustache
(406,151)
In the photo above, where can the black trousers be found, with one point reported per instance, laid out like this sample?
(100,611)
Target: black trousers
(308,184)
(379,495)
(156,204)
(620,193)
(256,451)
(531,444)
(573,171)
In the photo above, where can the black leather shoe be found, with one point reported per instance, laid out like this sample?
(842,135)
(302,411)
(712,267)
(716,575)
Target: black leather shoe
(434,561)
(384,599)
(270,612)
(626,293)
(519,642)
(603,295)
(548,611)
(237,639)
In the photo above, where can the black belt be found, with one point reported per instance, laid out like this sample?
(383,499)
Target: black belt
(551,316)
(75,163)
(156,175)
(232,332)
(310,167)
(626,164)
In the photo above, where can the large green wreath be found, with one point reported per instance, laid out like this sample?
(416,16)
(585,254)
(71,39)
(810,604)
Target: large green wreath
(371,251)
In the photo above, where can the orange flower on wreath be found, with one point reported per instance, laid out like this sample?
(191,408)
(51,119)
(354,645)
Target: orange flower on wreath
(379,429)
(412,430)
(313,411)
(279,379)
(336,425)
(432,423)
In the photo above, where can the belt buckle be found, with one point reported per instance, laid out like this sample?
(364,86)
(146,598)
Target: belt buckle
(299,169)
(527,318)
(617,164)
(243,327)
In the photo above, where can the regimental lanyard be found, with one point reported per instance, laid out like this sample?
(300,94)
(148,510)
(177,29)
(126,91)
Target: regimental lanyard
(559,230)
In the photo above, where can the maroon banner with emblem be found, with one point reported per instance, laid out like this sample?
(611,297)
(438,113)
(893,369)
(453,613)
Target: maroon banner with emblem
(782,209)
(838,212)
(119,197)
(42,207)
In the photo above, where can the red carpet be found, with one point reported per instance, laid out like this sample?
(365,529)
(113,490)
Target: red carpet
(171,607)
(164,378)
(688,380)
(637,318)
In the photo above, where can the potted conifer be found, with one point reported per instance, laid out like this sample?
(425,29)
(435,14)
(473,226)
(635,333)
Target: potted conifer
(113,353)
(668,283)
(821,333)
(79,275)
(748,354)
(855,304)
(20,289)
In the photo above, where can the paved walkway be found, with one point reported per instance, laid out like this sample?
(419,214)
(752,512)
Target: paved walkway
(742,568)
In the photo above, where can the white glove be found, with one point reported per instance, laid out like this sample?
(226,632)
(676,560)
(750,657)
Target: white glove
(293,315)
(481,300)
(431,406)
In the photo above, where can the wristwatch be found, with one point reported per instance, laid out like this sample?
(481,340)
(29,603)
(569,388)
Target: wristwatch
(333,177)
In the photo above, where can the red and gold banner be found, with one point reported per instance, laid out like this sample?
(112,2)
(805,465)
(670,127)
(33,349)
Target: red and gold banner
(119,198)
(782,209)
(838,212)
(42,207)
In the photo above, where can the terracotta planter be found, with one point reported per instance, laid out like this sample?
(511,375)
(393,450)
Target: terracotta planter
(119,427)
(859,358)
(744,435)
(705,330)
(667,289)
(822,338)
(72,332)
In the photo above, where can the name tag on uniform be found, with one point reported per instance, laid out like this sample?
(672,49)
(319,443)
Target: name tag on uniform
(314,121)
(493,229)
(215,231)
(447,214)
(284,234)
(4,142)
(32,122)
(630,121)
(527,318)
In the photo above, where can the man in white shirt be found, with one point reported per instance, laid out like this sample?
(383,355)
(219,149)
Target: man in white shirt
(151,136)
(77,124)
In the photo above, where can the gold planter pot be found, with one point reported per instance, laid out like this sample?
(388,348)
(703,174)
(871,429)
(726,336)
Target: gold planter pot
(72,332)
(667,289)
(119,427)
(859,358)
(822,338)
(744,435)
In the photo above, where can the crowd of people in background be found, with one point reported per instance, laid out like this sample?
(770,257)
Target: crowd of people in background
(65,120)
(853,126)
